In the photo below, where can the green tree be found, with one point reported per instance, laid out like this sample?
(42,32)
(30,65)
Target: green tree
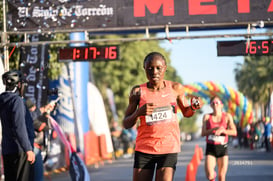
(188,125)
(254,79)
(55,66)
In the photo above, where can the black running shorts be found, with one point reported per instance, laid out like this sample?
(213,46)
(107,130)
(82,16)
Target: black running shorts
(217,150)
(149,161)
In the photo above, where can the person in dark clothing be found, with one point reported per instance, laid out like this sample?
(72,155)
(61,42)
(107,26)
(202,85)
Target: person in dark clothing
(115,135)
(126,140)
(240,135)
(267,134)
(17,130)
(40,127)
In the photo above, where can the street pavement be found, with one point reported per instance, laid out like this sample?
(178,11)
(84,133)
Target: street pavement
(244,164)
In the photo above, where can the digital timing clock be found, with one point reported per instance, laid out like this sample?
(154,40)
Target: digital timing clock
(90,53)
(244,47)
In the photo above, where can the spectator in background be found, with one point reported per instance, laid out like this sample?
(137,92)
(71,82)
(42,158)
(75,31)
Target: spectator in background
(267,134)
(252,135)
(115,131)
(246,135)
(260,126)
(240,135)
(40,126)
(258,135)
(17,130)
(126,138)
(133,132)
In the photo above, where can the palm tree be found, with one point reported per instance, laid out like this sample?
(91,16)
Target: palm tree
(254,79)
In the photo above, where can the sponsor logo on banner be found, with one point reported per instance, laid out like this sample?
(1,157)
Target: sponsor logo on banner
(126,14)
(64,111)
(34,65)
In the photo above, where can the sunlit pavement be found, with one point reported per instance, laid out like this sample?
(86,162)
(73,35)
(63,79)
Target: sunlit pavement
(244,164)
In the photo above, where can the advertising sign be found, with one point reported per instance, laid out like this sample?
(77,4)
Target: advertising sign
(34,65)
(129,14)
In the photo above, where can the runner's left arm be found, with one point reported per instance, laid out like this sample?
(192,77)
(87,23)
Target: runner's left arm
(187,110)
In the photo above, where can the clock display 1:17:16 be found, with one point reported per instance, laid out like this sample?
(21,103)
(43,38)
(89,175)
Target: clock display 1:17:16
(95,53)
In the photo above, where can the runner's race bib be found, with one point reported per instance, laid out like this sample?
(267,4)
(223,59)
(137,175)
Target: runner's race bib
(160,114)
(217,139)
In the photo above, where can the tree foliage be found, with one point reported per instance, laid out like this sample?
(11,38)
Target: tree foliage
(254,78)
(55,66)
(188,125)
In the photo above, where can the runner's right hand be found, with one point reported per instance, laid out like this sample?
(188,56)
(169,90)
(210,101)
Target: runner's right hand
(147,109)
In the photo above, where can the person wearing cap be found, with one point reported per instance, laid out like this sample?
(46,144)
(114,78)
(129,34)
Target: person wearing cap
(17,130)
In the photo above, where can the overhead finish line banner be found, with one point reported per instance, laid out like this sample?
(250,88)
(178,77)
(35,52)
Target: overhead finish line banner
(128,14)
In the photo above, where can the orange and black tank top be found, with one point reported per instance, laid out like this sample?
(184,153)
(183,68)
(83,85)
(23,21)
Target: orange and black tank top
(158,133)
(213,139)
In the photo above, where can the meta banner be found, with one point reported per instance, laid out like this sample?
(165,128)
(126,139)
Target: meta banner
(127,14)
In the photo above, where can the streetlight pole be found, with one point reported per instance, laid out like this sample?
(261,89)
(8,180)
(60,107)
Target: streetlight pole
(4,39)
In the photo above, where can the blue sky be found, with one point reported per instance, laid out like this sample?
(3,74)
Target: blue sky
(196,59)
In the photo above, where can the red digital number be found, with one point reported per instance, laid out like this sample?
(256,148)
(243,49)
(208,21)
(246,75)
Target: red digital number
(76,53)
(265,47)
(106,52)
(252,47)
(86,52)
(247,47)
(94,52)
(112,52)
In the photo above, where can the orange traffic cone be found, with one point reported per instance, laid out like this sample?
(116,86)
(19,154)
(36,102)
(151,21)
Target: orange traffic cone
(201,153)
(190,175)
